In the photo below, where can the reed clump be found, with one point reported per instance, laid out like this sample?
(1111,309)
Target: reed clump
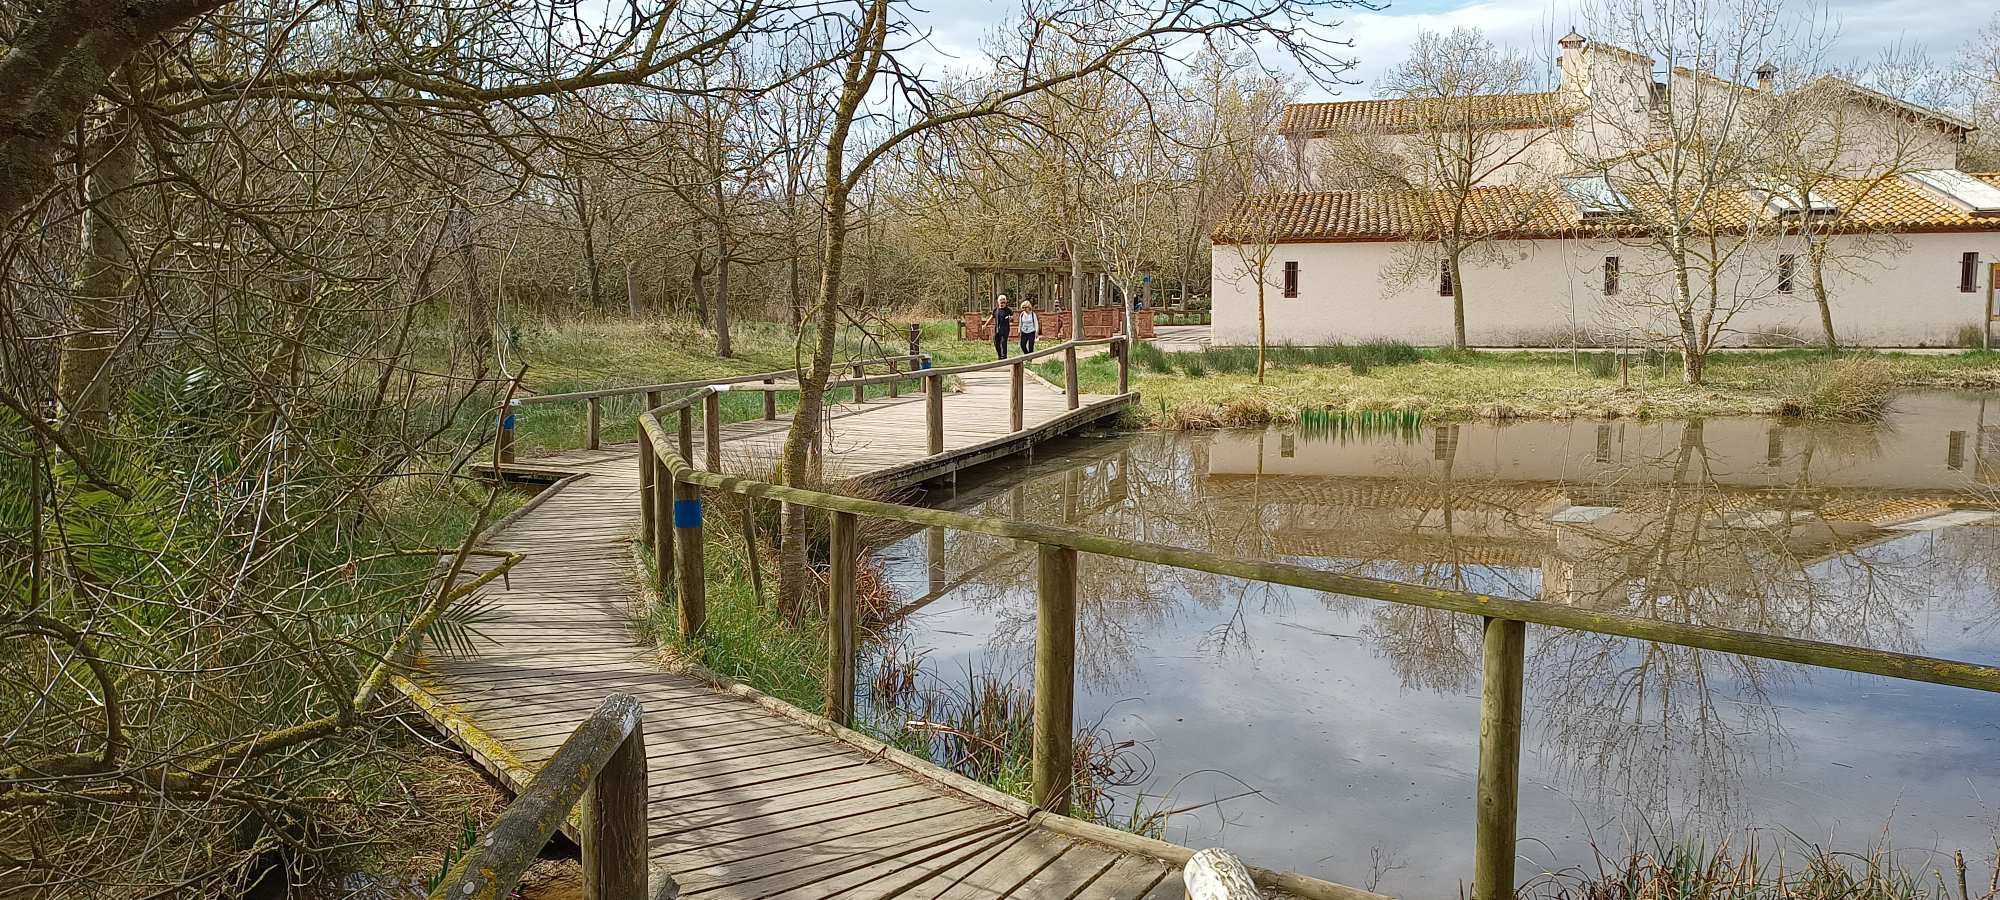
(1692,870)
(1848,389)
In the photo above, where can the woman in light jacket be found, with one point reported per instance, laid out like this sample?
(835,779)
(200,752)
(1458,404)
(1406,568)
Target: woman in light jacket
(1031,326)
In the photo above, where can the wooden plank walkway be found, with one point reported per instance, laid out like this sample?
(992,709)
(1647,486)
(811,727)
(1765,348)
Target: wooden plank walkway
(750,801)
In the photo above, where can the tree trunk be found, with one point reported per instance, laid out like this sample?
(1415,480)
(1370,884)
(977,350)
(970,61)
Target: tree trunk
(1075,292)
(1260,323)
(1825,304)
(475,339)
(634,307)
(797,298)
(700,281)
(804,431)
(83,370)
(722,347)
(593,268)
(1457,303)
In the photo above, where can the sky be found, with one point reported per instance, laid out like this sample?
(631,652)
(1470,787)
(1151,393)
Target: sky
(1863,29)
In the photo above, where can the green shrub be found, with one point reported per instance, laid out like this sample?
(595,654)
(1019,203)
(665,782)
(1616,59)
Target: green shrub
(1848,389)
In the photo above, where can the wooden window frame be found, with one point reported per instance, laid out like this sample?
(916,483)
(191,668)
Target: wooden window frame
(1611,276)
(1291,283)
(1444,278)
(1788,266)
(1968,272)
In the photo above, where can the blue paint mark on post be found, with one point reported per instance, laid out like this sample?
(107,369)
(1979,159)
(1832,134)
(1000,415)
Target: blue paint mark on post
(926,363)
(687,513)
(507,421)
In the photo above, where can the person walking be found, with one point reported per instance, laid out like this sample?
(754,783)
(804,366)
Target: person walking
(1002,321)
(1031,326)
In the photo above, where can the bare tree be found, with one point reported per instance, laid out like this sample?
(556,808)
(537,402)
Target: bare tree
(1465,155)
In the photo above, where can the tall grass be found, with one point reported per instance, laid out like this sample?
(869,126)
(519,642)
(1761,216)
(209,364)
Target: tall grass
(1320,423)
(1692,870)
(1847,389)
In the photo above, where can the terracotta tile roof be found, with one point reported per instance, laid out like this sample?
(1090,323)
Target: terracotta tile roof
(1515,212)
(1496,110)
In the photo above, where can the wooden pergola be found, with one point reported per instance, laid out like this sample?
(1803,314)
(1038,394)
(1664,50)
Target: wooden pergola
(1046,283)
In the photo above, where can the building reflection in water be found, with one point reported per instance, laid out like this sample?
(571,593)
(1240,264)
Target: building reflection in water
(1883,536)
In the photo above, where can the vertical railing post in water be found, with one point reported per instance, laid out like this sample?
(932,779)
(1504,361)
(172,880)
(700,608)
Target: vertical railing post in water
(1015,389)
(711,428)
(1503,650)
(1123,347)
(934,413)
(1069,374)
(645,489)
(690,578)
(860,391)
(614,821)
(843,556)
(770,400)
(596,415)
(1054,761)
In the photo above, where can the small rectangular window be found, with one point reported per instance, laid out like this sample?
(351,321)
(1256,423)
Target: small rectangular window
(1787,263)
(1968,273)
(1444,278)
(1611,276)
(1291,279)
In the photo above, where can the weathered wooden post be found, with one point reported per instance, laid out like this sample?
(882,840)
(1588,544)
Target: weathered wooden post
(1123,347)
(663,524)
(691,579)
(1054,761)
(614,821)
(645,489)
(711,428)
(916,349)
(1069,374)
(652,401)
(934,412)
(503,438)
(596,414)
(860,391)
(770,399)
(1015,391)
(843,555)
(687,434)
(1502,651)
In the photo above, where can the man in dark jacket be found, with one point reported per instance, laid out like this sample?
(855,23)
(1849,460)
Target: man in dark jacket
(1002,320)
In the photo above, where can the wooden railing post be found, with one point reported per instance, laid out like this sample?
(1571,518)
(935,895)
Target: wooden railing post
(1016,387)
(614,824)
(1497,809)
(645,489)
(652,401)
(892,382)
(770,401)
(596,411)
(663,524)
(843,555)
(687,434)
(1069,374)
(1123,347)
(690,578)
(711,429)
(860,391)
(503,438)
(934,413)
(1054,763)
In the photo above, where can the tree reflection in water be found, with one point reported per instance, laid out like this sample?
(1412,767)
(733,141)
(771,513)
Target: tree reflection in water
(1848,534)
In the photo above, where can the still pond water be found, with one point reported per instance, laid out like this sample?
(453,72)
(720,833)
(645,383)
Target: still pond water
(1356,721)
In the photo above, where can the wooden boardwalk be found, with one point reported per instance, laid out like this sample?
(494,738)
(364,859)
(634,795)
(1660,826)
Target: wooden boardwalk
(750,798)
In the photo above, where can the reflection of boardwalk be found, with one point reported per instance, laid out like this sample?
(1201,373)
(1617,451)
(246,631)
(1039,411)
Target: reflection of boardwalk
(752,799)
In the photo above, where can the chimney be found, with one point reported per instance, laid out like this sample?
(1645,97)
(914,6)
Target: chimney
(1570,66)
(1767,77)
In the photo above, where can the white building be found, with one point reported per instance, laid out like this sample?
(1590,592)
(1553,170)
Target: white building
(1565,250)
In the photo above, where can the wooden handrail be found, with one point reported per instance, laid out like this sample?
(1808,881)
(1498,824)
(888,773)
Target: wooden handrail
(1505,627)
(685,385)
(603,765)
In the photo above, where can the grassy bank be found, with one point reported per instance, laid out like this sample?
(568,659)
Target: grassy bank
(1218,387)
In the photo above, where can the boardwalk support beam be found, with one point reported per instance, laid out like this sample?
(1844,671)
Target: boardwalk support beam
(934,413)
(1016,389)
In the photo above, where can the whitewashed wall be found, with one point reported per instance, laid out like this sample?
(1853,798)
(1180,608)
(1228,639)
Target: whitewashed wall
(1549,289)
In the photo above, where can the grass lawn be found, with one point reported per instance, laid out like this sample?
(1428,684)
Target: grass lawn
(1219,387)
